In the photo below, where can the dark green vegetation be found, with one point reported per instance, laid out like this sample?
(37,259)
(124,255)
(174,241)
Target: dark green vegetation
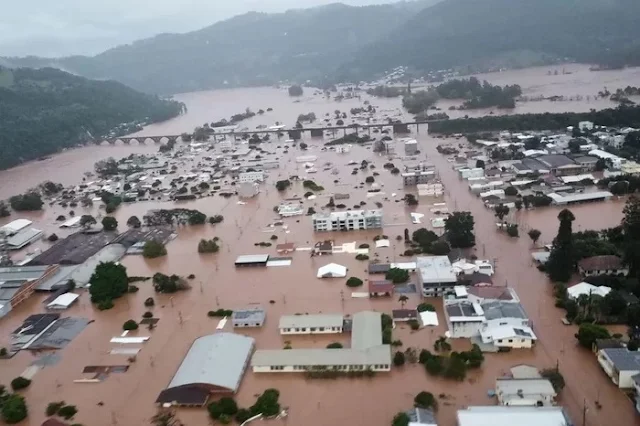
(153,249)
(454,366)
(354,282)
(168,284)
(20,383)
(13,409)
(226,408)
(109,281)
(29,201)
(208,246)
(220,313)
(479,95)
(472,35)
(46,110)
(459,230)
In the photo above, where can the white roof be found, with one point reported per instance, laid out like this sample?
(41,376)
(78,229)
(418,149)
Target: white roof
(63,301)
(507,332)
(74,221)
(510,415)
(509,386)
(585,288)
(429,318)
(436,269)
(322,357)
(15,226)
(577,178)
(251,258)
(332,270)
(382,243)
(584,196)
(461,291)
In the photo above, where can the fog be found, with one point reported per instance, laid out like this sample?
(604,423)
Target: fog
(70,27)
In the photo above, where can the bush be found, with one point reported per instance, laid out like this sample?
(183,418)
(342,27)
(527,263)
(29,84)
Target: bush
(149,302)
(243,415)
(20,383)
(14,409)
(335,345)
(153,249)
(554,376)
(3,351)
(362,257)
(440,248)
(105,305)
(396,343)
(424,307)
(147,315)
(397,275)
(224,408)
(220,313)
(53,408)
(414,324)
(133,288)
(52,238)
(354,282)
(425,400)
(208,246)
(364,246)
(216,219)
(398,359)
(130,325)
(67,411)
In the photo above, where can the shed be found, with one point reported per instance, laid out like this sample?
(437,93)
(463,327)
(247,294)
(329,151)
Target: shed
(252,317)
(403,315)
(332,270)
(214,364)
(252,260)
(63,301)
(380,288)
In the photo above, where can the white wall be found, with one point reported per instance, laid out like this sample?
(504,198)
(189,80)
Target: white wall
(302,330)
(464,329)
(625,379)
(515,343)
(292,369)
(514,322)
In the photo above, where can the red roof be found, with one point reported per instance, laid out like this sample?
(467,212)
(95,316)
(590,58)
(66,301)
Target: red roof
(54,422)
(380,286)
(600,263)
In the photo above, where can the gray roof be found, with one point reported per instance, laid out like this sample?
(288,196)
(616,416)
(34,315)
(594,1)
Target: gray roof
(22,273)
(216,359)
(59,335)
(495,310)
(422,416)
(305,321)
(366,330)
(322,357)
(460,309)
(251,315)
(623,359)
(555,160)
(23,238)
(524,386)
(58,279)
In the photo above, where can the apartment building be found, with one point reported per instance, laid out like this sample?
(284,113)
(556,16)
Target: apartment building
(347,221)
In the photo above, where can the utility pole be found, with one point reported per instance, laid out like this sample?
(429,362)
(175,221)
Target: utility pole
(584,413)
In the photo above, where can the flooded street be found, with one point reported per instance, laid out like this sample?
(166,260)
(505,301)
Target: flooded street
(128,399)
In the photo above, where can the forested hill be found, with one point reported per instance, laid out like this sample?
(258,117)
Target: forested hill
(456,33)
(43,111)
(250,49)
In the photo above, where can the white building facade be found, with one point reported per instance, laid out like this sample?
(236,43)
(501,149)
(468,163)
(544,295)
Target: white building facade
(347,221)
(311,324)
(251,177)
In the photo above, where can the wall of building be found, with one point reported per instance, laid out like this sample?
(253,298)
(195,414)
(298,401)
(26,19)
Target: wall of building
(303,368)
(464,329)
(515,343)
(626,382)
(311,330)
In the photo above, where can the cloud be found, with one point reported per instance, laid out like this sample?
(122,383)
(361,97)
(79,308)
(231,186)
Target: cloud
(64,27)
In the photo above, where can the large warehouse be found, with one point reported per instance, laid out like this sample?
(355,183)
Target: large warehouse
(215,364)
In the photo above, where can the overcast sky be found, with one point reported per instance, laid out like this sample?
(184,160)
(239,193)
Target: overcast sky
(65,27)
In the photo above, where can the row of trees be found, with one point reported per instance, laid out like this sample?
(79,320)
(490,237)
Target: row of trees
(479,95)
(226,408)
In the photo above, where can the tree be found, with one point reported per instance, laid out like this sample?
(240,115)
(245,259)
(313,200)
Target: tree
(425,400)
(518,204)
(561,262)
(168,283)
(631,231)
(4,210)
(335,345)
(109,281)
(401,419)
(588,334)
(424,307)
(410,200)
(434,365)
(20,383)
(354,282)
(480,164)
(442,345)
(130,325)
(208,246)
(511,191)
(87,221)
(456,367)
(281,185)
(295,90)
(534,234)
(397,275)
(424,238)
(31,201)
(403,300)
(303,146)
(554,376)
(459,228)
(370,179)
(398,359)
(153,249)
(134,222)
(512,230)
(14,409)
(440,248)
(109,223)
(501,211)
(406,235)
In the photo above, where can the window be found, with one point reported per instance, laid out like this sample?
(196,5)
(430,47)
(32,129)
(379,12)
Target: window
(510,340)
(320,328)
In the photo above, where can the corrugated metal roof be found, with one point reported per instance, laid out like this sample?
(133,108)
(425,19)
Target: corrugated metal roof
(22,273)
(252,258)
(322,357)
(524,386)
(304,321)
(509,416)
(367,330)
(216,359)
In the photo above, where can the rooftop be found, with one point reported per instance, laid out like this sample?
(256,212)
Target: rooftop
(510,415)
(352,214)
(322,357)
(305,321)
(252,258)
(510,386)
(252,314)
(500,309)
(555,160)
(599,263)
(22,273)
(366,331)
(623,359)
(435,269)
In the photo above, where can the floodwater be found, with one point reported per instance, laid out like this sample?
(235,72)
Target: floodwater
(127,399)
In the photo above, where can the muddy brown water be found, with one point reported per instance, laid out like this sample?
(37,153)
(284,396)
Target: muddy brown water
(127,399)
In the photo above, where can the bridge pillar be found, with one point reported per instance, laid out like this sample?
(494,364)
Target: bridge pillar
(401,128)
(316,133)
(295,134)
(173,138)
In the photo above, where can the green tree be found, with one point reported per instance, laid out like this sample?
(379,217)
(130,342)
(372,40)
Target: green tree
(397,275)
(14,409)
(403,300)
(354,282)
(335,345)
(153,249)
(425,400)
(589,333)
(534,234)
(401,419)
(423,237)
(554,376)
(440,248)
(501,211)
(4,210)
(208,246)
(434,365)
(20,383)
(459,227)
(631,230)
(87,221)
(561,262)
(295,90)
(109,281)
(109,223)
(31,201)
(456,367)
(134,222)
(168,283)
(426,307)
(282,185)
(410,199)
(398,359)
(67,411)
(130,325)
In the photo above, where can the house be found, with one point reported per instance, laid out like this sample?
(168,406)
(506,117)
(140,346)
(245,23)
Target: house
(63,301)
(252,260)
(421,417)
(289,210)
(248,189)
(347,220)
(587,289)
(415,178)
(525,392)
(510,416)
(621,365)
(323,247)
(467,319)
(585,125)
(410,147)
(602,265)
(435,275)
(380,288)
(404,315)
(367,353)
(332,270)
(507,336)
(378,268)
(285,248)
(311,324)
(252,317)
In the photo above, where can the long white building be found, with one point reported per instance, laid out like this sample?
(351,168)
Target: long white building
(347,221)
(311,324)
(366,352)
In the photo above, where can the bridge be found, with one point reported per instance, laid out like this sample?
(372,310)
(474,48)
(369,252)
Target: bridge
(293,133)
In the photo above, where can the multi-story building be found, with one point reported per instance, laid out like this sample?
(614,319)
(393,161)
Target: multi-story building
(410,147)
(416,178)
(251,177)
(436,275)
(289,210)
(347,221)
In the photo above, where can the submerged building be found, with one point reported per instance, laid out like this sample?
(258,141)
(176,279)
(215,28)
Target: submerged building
(347,221)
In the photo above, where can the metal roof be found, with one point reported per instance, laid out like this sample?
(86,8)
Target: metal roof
(23,238)
(366,331)
(305,321)
(216,359)
(252,315)
(322,357)
(22,273)
(498,309)
(435,269)
(15,226)
(59,335)
(511,415)
(507,386)
(252,258)
(623,359)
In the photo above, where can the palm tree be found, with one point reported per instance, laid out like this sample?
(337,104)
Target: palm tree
(403,299)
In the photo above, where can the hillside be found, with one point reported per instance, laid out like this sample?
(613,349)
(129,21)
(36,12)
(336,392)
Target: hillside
(45,110)
(250,49)
(457,33)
